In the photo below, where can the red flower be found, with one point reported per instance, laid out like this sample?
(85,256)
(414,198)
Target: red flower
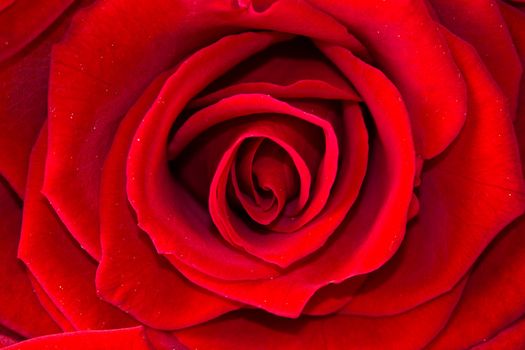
(262,174)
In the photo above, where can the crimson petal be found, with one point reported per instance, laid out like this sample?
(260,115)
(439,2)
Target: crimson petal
(494,296)
(44,247)
(131,275)
(481,24)
(20,310)
(467,197)
(23,20)
(406,43)
(124,338)
(251,330)
(157,200)
(373,230)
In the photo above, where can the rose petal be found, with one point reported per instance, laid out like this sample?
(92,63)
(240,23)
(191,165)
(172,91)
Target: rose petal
(8,337)
(45,246)
(493,297)
(163,341)
(285,249)
(106,61)
(23,110)
(246,105)
(276,172)
(23,20)
(109,57)
(154,194)
(407,45)
(466,198)
(294,69)
(481,24)
(256,330)
(277,248)
(50,306)
(516,22)
(373,230)
(131,275)
(124,338)
(20,310)
(277,18)
(333,297)
(300,89)
(508,339)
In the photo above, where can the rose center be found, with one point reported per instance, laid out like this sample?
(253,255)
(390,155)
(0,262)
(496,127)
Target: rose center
(264,181)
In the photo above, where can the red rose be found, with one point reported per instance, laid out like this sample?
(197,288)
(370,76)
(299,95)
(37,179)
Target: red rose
(262,174)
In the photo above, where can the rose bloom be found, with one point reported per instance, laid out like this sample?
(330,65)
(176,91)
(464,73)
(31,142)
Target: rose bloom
(272,174)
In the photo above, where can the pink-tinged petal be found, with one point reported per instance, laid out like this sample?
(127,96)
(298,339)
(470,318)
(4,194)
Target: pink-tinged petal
(494,297)
(480,23)
(20,310)
(23,20)
(467,196)
(406,44)
(510,338)
(374,229)
(131,275)
(24,85)
(123,338)
(45,247)
(257,330)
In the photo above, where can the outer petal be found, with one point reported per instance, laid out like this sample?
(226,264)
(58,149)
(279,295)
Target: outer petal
(494,298)
(510,338)
(480,23)
(131,274)
(468,195)
(256,330)
(20,310)
(60,266)
(516,22)
(110,57)
(124,338)
(107,60)
(24,80)
(24,20)
(50,306)
(495,294)
(407,45)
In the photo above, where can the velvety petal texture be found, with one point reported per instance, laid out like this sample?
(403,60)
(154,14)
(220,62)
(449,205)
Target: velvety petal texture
(45,246)
(488,195)
(125,338)
(262,174)
(20,310)
(28,29)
